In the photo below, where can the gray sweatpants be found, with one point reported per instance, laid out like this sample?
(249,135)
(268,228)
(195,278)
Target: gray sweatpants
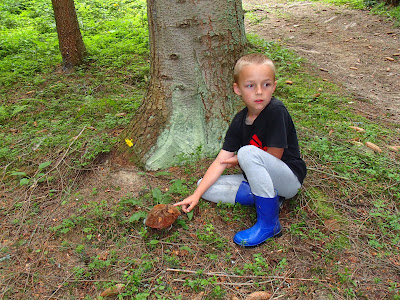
(265,174)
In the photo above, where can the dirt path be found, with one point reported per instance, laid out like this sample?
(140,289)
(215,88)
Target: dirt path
(352,48)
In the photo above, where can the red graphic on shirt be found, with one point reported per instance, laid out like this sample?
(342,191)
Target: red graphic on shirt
(255,141)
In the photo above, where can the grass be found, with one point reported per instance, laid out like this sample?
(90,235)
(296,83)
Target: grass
(72,229)
(376,7)
(43,111)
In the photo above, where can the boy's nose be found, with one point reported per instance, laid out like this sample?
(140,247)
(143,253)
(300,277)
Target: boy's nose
(258,90)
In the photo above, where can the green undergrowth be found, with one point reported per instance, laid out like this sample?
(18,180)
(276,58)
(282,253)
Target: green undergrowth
(393,13)
(54,124)
(378,7)
(44,112)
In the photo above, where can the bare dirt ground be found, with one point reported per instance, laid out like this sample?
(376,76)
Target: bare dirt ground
(352,48)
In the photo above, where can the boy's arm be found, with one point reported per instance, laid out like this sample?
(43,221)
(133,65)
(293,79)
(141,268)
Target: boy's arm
(214,171)
(277,152)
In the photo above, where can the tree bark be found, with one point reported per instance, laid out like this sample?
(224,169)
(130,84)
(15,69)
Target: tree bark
(70,39)
(393,3)
(194,45)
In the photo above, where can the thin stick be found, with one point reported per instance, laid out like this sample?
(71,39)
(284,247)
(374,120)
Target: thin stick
(239,276)
(231,283)
(59,287)
(326,173)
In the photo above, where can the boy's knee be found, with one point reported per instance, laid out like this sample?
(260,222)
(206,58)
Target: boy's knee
(245,152)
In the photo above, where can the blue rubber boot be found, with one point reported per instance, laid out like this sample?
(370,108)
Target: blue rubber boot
(244,196)
(267,225)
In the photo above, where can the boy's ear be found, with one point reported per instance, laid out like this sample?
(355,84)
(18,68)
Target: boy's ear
(275,83)
(236,89)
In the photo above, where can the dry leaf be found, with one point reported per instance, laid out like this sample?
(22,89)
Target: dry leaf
(394,148)
(289,82)
(353,68)
(259,296)
(316,95)
(357,143)
(353,259)
(180,252)
(113,291)
(358,129)
(373,147)
(103,255)
(199,296)
(332,224)
(389,58)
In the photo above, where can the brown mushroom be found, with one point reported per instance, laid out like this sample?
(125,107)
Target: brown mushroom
(162,216)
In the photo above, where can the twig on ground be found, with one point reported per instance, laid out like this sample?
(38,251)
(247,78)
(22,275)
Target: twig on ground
(329,174)
(250,283)
(239,276)
(281,283)
(61,285)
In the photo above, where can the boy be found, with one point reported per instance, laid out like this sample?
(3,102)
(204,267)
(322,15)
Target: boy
(264,137)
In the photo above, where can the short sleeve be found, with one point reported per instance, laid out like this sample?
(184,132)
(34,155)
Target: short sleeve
(277,124)
(233,137)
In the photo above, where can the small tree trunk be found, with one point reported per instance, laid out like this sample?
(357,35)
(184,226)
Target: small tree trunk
(70,39)
(393,3)
(190,102)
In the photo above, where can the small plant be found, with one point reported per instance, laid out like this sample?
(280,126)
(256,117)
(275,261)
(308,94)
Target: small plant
(38,176)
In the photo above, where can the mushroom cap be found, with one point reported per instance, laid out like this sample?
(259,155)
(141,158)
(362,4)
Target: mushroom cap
(162,216)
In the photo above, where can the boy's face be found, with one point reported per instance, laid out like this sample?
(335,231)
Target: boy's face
(255,86)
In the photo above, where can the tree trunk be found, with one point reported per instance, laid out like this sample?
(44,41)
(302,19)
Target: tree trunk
(393,3)
(193,46)
(69,36)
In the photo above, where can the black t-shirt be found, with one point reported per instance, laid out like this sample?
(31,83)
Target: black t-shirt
(272,128)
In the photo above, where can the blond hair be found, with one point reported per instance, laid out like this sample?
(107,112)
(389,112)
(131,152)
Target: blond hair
(254,58)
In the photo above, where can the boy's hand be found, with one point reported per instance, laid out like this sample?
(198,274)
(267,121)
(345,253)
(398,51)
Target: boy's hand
(230,162)
(191,201)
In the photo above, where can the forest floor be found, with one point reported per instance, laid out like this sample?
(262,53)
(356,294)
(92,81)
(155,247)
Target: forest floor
(351,48)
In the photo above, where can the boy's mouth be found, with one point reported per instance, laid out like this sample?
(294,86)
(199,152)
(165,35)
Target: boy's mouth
(259,101)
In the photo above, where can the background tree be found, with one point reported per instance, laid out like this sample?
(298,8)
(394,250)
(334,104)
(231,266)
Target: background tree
(393,3)
(189,103)
(70,39)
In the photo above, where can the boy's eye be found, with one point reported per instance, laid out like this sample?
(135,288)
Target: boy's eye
(267,84)
(249,85)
